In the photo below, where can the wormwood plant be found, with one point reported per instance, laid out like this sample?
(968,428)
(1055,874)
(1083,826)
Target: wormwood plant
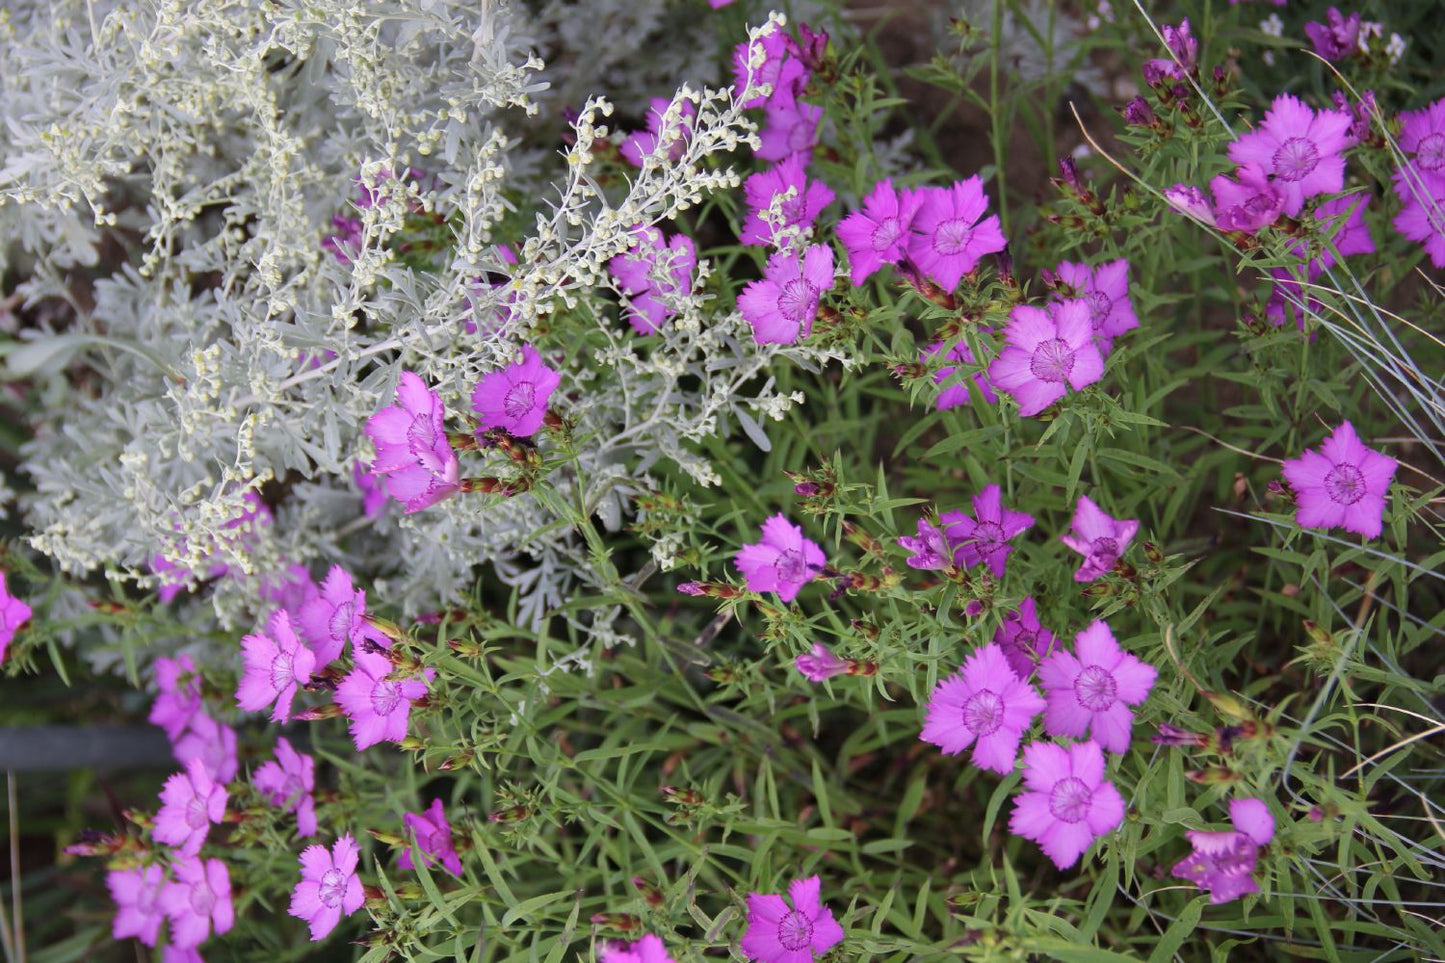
(706,521)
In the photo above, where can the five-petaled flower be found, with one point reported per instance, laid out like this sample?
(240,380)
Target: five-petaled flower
(1098,537)
(1046,349)
(1068,803)
(985,537)
(1222,863)
(1343,485)
(413,452)
(288,781)
(783,562)
(515,398)
(329,887)
(197,900)
(653,268)
(137,894)
(1299,148)
(798,211)
(190,802)
(1091,692)
(781,307)
(949,233)
(984,701)
(878,234)
(1023,640)
(778,934)
(433,839)
(275,665)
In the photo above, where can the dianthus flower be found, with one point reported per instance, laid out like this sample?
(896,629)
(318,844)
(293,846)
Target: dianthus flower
(984,538)
(783,562)
(1023,640)
(777,934)
(781,307)
(288,781)
(1105,288)
(329,887)
(190,802)
(1191,201)
(1248,204)
(13,614)
(956,393)
(649,949)
(373,490)
(790,128)
(515,398)
(275,665)
(211,743)
(820,663)
(1046,349)
(1422,218)
(781,67)
(1422,139)
(930,550)
(983,701)
(653,268)
(334,615)
(1222,863)
(433,839)
(1299,147)
(379,707)
(949,233)
(197,901)
(1092,692)
(644,143)
(412,448)
(1068,803)
(1361,113)
(878,234)
(1343,485)
(1099,538)
(137,894)
(1185,49)
(800,211)
(1336,38)
(179,701)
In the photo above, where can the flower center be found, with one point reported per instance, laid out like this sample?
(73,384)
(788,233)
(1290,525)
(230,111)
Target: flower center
(1104,549)
(385,697)
(952,236)
(1096,689)
(792,567)
(799,299)
(983,713)
(333,887)
(1052,361)
(795,931)
(1295,159)
(196,813)
(1100,304)
(885,235)
(282,672)
(341,618)
(421,438)
(1069,800)
(988,534)
(1345,485)
(1430,153)
(518,401)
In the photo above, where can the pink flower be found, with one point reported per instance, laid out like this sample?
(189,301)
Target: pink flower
(650,271)
(433,838)
(1190,201)
(1023,640)
(13,614)
(783,562)
(957,392)
(179,701)
(1422,218)
(777,934)
(334,615)
(137,893)
(515,398)
(197,901)
(211,743)
(1045,350)
(1105,289)
(288,781)
(878,234)
(1248,204)
(781,307)
(1099,538)
(373,490)
(1068,803)
(275,665)
(800,211)
(983,701)
(645,143)
(790,128)
(820,663)
(1092,693)
(649,949)
(781,67)
(1422,139)
(984,538)
(1222,863)
(1338,37)
(930,550)
(379,707)
(190,802)
(329,887)
(1343,485)
(947,238)
(412,448)
(1299,148)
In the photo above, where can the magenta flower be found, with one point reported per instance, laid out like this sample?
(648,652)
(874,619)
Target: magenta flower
(649,949)
(1045,350)
(808,201)
(956,393)
(984,538)
(373,490)
(1190,201)
(179,700)
(789,128)
(334,615)
(329,887)
(777,934)
(137,894)
(949,233)
(1185,59)
(983,701)
(930,550)
(644,143)
(878,234)
(288,781)
(13,614)
(1092,692)
(1222,863)
(1023,640)
(412,448)
(781,67)
(1422,139)
(1361,113)
(379,707)
(211,743)
(1099,538)
(1068,803)
(783,562)
(515,398)
(345,241)
(1343,485)
(198,901)
(433,839)
(1422,218)
(1298,147)
(820,663)
(781,307)
(1337,37)
(1106,290)
(190,802)
(650,271)
(1248,204)
(275,665)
